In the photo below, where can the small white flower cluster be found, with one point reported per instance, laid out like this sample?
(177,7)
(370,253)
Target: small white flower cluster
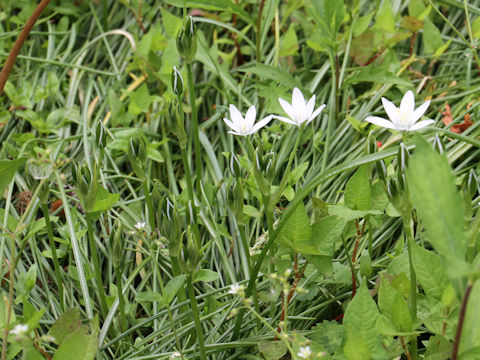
(403,118)
(19,330)
(140,226)
(305,352)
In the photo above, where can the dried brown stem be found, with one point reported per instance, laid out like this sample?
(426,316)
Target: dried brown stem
(461,319)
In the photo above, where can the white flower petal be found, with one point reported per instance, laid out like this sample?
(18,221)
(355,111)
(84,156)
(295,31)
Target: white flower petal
(421,124)
(250,117)
(285,120)
(408,103)
(317,112)
(391,110)
(236,116)
(308,110)
(418,113)
(261,123)
(230,124)
(287,108)
(237,133)
(381,122)
(298,101)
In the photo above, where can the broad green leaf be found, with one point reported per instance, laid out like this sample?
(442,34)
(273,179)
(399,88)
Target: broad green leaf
(326,232)
(289,42)
(359,323)
(206,275)
(356,347)
(433,282)
(329,14)
(432,38)
(272,350)
(171,23)
(435,196)
(438,348)
(362,23)
(77,346)
(400,313)
(104,200)
(358,194)
(329,334)
(31,353)
(25,283)
(415,7)
(471,328)
(386,295)
(140,100)
(348,214)
(476,27)
(173,286)
(274,73)
(385,20)
(66,324)
(7,172)
(150,296)
(376,74)
(297,232)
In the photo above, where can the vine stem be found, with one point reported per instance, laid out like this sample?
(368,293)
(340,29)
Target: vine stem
(7,68)
(461,319)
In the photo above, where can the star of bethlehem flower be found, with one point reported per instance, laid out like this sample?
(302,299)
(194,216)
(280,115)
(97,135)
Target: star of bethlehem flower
(244,126)
(300,110)
(140,226)
(304,352)
(405,117)
(19,329)
(236,289)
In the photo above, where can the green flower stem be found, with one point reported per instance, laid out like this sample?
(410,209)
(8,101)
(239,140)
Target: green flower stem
(191,196)
(196,319)
(53,249)
(168,161)
(121,301)
(148,200)
(408,227)
(96,264)
(196,136)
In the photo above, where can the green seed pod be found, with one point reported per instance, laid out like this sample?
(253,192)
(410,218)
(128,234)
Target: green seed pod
(117,240)
(381,170)
(137,156)
(100,135)
(87,186)
(235,167)
(187,40)
(177,82)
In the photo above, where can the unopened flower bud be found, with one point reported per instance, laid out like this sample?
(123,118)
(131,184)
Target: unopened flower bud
(100,135)
(137,156)
(187,40)
(177,82)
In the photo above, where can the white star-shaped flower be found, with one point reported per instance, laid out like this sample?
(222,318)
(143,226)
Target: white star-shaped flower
(175,355)
(140,226)
(299,111)
(236,289)
(304,352)
(404,118)
(244,126)
(20,329)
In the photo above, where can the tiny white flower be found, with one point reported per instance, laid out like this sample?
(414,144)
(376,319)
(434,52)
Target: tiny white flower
(304,352)
(405,117)
(140,226)
(236,289)
(244,126)
(20,329)
(175,355)
(299,110)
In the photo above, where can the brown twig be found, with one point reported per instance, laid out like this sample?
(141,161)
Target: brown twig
(461,319)
(405,348)
(18,44)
